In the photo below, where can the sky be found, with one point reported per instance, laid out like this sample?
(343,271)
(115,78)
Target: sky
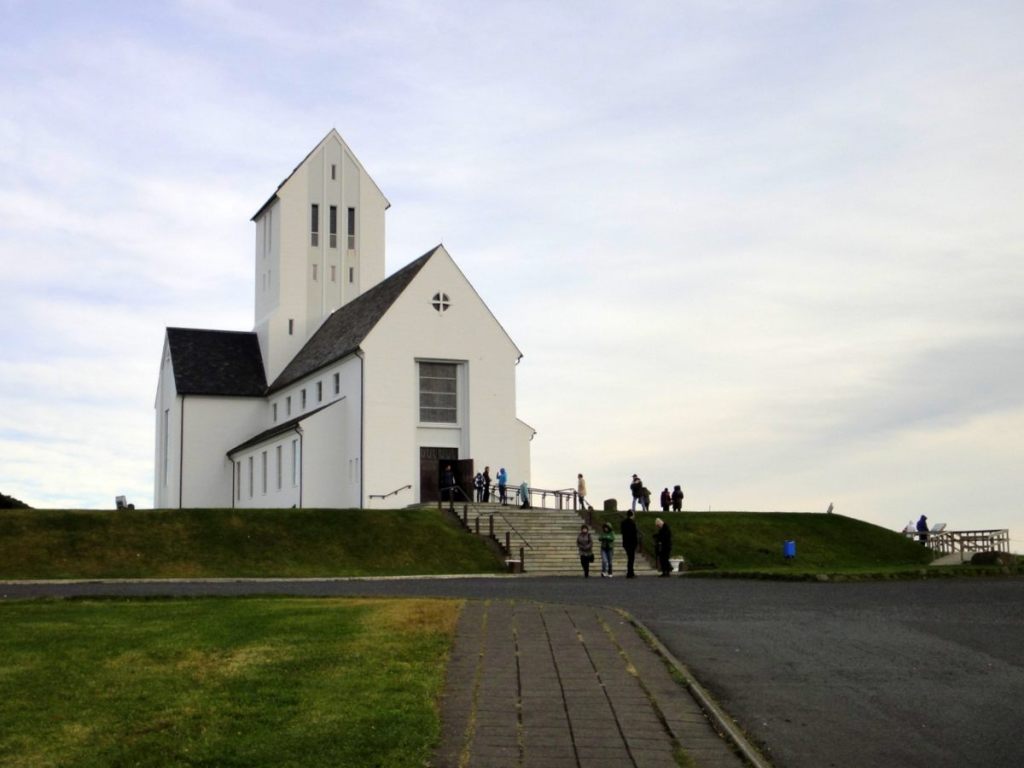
(769,251)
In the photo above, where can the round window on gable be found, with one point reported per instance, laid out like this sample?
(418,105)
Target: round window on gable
(441,302)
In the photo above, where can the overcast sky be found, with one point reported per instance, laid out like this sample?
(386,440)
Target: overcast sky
(770,251)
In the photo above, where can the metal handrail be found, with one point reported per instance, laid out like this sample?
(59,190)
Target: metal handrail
(474,504)
(561,495)
(385,495)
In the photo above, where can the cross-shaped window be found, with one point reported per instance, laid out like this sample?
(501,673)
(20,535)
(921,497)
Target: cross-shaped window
(441,302)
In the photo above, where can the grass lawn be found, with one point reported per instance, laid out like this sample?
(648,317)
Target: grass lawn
(222,682)
(192,543)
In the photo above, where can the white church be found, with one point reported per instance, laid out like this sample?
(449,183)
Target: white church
(352,390)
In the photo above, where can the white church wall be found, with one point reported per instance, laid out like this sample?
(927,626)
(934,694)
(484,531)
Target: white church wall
(330,476)
(210,427)
(268,475)
(166,435)
(466,333)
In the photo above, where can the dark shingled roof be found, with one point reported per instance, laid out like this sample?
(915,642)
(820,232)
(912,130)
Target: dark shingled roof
(279,429)
(343,332)
(216,362)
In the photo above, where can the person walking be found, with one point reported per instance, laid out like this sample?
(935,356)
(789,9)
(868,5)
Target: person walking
(502,484)
(663,546)
(635,488)
(487,485)
(585,547)
(581,491)
(677,499)
(666,500)
(922,530)
(607,539)
(629,541)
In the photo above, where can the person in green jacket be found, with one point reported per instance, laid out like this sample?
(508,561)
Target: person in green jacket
(607,539)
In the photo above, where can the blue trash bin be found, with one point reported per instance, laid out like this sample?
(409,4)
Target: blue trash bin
(789,549)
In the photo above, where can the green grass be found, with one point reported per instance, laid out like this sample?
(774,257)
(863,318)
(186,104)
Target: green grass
(195,543)
(222,682)
(739,542)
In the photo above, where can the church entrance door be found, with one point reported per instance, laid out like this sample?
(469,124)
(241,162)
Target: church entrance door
(432,463)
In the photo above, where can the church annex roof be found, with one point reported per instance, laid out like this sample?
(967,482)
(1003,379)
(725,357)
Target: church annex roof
(343,332)
(209,362)
(278,429)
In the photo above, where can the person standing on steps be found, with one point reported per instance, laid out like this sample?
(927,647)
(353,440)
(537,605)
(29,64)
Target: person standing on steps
(448,487)
(607,539)
(502,484)
(524,496)
(585,547)
(487,484)
(629,541)
(663,546)
(581,491)
(478,485)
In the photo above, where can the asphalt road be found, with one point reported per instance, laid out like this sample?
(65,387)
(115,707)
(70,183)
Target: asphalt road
(853,675)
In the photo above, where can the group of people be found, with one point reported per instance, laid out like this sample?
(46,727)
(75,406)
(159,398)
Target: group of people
(630,542)
(452,492)
(642,495)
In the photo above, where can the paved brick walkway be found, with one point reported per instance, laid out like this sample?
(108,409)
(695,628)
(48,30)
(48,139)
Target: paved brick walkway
(544,686)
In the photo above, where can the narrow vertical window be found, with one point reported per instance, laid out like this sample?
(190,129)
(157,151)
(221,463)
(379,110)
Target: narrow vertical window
(337,383)
(334,274)
(314,224)
(288,406)
(333,224)
(351,229)
(280,461)
(295,462)
(314,272)
(274,409)
(303,399)
(251,470)
(351,274)
(264,474)
(291,326)
(334,171)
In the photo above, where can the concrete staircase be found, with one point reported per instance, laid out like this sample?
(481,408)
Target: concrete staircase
(547,537)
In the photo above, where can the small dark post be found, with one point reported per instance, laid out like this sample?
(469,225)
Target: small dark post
(465,518)
(490,526)
(508,542)
(478,525)
(522,560)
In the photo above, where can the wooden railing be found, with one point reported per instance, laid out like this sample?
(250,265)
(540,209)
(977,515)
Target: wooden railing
(950,542)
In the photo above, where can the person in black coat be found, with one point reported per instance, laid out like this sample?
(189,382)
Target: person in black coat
(629,541)
(677,499)
(663,545)
(922,530)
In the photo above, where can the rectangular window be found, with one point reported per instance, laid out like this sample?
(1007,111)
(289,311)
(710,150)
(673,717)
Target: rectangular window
(264,474)
(251,481)
(279,450)
(303,399)
(314,272)
(288,406)
(314,224)
(334,171)
(274,408)
(333,231)
(295,462)
(351,274)
(291,326)
(438,393)
(319,391)
(334,274)
(337,383)
(351,229)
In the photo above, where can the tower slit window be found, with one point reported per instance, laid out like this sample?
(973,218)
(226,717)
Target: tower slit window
(314,224)
(351,229)
(333,231)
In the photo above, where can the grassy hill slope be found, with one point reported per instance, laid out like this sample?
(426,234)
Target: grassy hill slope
(752,541)
(194,543)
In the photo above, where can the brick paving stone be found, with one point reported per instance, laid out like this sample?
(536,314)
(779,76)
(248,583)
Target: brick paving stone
(548,686)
